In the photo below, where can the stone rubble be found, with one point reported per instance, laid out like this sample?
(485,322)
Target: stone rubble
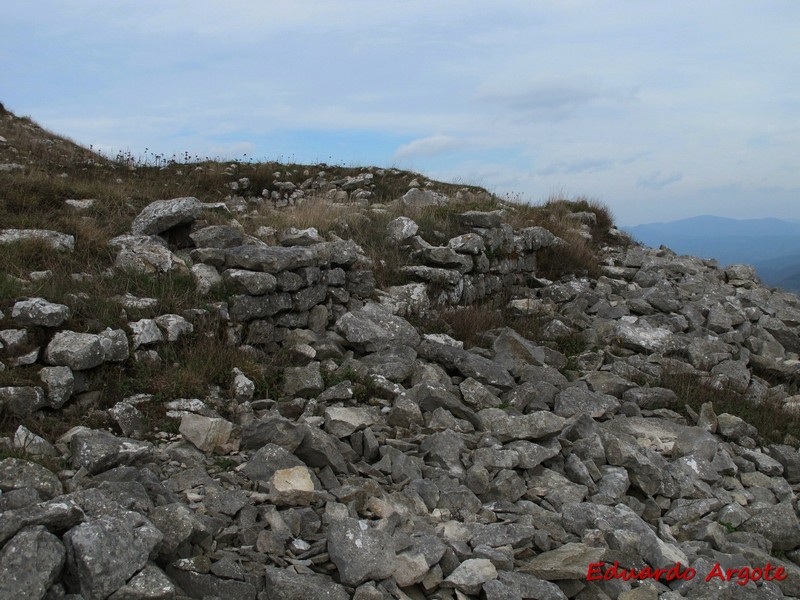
(499,471)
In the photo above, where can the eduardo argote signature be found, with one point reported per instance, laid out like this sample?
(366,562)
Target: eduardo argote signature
(740,575)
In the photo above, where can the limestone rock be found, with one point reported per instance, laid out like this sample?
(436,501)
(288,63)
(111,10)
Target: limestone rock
(60,242)
(78,351)
(161,215)
(59,383)
(372,328)
(292,487)
(104,553)
(205,433)
(98,451)
(360,552)
(16,473)
(471,574)
(38,311)
(570,561)
(30,563)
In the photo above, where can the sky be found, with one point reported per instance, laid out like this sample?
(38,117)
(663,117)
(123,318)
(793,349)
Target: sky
(660,110)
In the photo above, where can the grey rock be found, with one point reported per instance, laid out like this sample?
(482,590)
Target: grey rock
(642,337)
(31,546)
(303,381)
(431,397)
(32,444)
(174,326)
(263,464)
(528,586)
(114,345)
(789,458)
(271,430)
(319,449)
(38,311)
(217,236)
(60,242)
(246,308)
(484,220)
(471,574)
(16,473)
(98,451)
(534,426)
(204,586)
(162,215)
(576,401)
(467,363)
(181,527)
(401,229)
(251,282)
(104,553)
(148,584)
(59,383)
(372,328)
(272,259)
(77,351)
(360,551)
(219,501)
(283,584)
(22,400)
(206,277)
(301,237)
(570,561)
(651,397)
(396,363)
(421,198)
(343,421)
(145,254)
(778,524)
(145,332)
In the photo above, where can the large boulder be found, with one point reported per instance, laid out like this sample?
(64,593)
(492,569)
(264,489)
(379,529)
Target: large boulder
(31,546)
(78,351)
(161,215)
(373,328)
(104,553)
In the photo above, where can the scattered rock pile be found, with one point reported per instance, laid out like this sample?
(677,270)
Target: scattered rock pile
(392,463)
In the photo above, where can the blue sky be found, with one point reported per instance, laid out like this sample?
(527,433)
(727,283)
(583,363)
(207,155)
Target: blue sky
(662,110)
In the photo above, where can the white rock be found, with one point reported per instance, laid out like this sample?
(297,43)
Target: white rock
(38,311)
(78,351)
(205,433)
(59,382)
(292,487)
(175,326)
(53,239)
(29,442)
(162,215)
(145,331)
(243,387)
(205,277)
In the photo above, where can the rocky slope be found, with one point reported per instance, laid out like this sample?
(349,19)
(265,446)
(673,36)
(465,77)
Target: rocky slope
(589,422)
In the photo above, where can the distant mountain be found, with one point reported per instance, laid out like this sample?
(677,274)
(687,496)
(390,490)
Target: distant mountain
(771,245)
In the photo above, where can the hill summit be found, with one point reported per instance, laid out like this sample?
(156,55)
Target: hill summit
(262,380)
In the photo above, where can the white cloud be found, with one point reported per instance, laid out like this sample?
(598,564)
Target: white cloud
(427,146)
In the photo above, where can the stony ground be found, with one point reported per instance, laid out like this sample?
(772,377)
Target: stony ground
(639,418)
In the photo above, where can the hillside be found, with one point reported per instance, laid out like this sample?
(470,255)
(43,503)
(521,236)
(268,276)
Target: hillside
(279,381)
